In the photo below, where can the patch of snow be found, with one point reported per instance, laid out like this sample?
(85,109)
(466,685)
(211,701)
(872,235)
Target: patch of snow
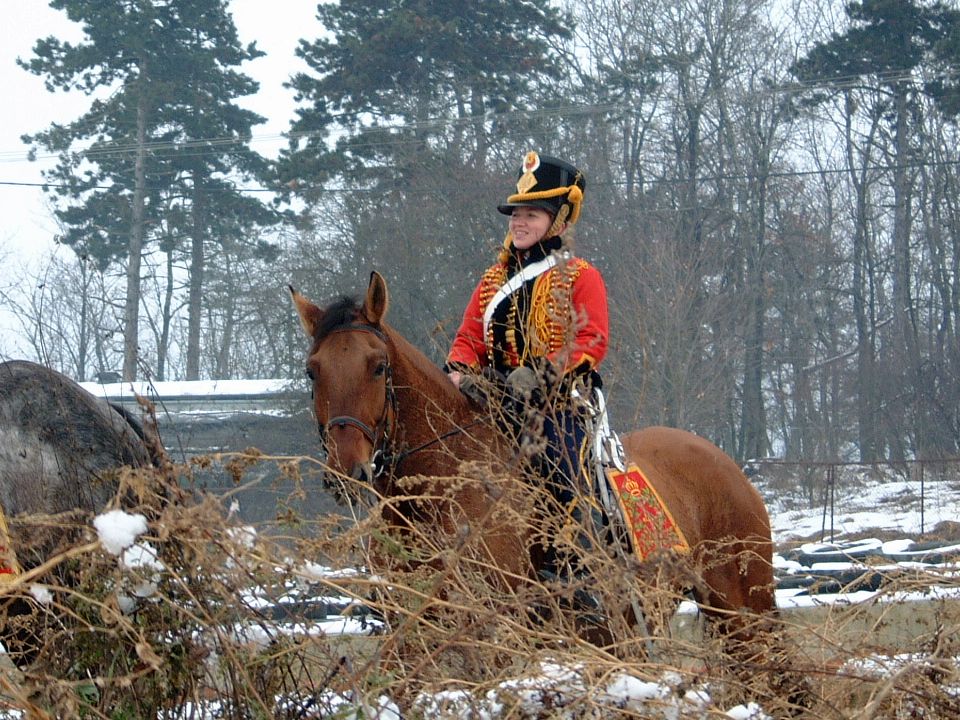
(41,593)
(118,530)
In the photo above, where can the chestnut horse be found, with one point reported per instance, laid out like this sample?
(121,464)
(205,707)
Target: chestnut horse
(376,398)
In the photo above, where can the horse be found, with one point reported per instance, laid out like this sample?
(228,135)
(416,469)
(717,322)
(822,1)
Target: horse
(60,450)
(391,419)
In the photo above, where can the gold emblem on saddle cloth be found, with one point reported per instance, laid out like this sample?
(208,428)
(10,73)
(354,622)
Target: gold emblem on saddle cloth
(650,524)
(528,179)
(9,567)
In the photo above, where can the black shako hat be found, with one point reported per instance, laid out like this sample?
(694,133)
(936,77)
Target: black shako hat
(548,183)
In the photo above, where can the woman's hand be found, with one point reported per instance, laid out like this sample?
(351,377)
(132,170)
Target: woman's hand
(455,377)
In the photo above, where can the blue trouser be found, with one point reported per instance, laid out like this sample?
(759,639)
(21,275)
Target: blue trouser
(565,476)
(564,435)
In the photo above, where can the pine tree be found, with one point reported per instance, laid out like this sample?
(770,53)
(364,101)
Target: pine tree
(398,76)
(163,131)
(414,104)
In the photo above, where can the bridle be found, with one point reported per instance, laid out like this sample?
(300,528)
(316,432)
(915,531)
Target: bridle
(384,425)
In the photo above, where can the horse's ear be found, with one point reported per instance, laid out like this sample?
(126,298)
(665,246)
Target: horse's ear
(310,315)
(378,300)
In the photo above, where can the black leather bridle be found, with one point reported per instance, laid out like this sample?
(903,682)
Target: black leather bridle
(379,435)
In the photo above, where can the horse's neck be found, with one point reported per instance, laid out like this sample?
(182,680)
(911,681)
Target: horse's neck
(422,388)
(428,404)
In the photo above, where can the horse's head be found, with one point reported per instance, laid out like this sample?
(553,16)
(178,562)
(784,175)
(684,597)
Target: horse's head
(349,366)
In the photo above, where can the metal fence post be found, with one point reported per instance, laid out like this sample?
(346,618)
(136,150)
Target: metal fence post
(922,499)
(829,501)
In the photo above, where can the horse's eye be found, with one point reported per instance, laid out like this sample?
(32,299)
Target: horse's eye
(310,374)
(380,369)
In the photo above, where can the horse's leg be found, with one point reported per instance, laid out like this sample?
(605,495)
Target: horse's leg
(736,592)
(738,596)
(738,575)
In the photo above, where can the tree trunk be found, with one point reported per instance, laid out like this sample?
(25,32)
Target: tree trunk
(904,313)
(760,144)
(229,322)
(164,348)
(754,419)
(196,282)
(83,341)
(867,390)
(131,310)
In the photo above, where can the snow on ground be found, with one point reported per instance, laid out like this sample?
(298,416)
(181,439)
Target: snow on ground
(888,505)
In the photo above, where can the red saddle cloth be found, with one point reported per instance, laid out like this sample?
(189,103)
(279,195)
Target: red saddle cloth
(650,525)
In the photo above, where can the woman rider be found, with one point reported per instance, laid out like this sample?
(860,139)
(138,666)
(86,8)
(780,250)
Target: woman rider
(540,309)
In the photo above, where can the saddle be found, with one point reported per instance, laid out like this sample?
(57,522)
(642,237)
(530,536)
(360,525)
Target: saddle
(625,507)
(638,522)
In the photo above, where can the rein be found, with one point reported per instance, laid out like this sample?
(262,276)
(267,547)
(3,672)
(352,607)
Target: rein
(382,457)
(399,457)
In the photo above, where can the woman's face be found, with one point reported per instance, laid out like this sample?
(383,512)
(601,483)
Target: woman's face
(528,225)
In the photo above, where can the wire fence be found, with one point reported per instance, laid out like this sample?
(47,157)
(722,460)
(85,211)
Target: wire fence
(835,488)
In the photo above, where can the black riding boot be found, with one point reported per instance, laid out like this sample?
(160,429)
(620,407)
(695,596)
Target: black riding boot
(553,440)
(566,565)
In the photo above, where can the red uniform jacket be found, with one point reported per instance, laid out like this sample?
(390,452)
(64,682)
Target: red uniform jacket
(560,315)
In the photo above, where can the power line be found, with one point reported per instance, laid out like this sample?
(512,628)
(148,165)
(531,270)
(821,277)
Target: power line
(790,88)
(702,179)
(64,186)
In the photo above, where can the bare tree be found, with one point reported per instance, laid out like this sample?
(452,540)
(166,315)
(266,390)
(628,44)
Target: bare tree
(70,314)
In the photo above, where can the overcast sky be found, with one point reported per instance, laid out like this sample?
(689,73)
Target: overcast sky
(27,229)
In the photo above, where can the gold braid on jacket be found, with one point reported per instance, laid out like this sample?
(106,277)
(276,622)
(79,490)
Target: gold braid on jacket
(549,324)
